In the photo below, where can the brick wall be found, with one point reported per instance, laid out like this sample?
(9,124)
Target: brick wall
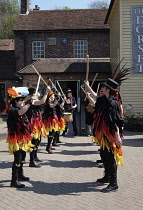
(98,44)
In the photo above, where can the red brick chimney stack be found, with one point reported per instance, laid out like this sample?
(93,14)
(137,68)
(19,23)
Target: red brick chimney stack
(24,6)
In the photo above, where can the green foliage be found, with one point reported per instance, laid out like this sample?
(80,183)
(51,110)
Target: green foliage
(134,123)
(9,11)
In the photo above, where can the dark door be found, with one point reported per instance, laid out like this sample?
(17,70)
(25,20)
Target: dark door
(2,96)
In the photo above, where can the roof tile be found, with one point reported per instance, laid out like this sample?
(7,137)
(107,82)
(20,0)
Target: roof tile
(62,20)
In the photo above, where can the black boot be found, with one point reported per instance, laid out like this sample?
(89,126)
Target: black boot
(48,148)
(21,176)
(58,136)
(32,161)
(106,177)
(14,182)
(55,140)
(113,184)
(36,157)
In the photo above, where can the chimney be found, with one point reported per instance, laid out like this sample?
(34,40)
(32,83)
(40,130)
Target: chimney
(36,7)
(24,6)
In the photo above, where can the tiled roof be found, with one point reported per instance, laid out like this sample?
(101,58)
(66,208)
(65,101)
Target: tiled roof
(6,44)
(77,19)
(7,64)
(67,65)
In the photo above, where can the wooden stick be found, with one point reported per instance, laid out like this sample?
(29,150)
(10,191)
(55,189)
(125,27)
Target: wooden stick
(92,83)
(39,75)
(38,83)
(94,79)
(53,84)
(87,68)
(29,65)
(83,89)
(61,89)
(98,88)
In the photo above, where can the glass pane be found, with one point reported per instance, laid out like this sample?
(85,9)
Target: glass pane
(38,48)
(42,52)
(42,48)
(42,56)
(42,44)
(34,43)
(38,43)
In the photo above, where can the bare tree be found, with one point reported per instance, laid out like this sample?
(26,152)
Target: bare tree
(98,4)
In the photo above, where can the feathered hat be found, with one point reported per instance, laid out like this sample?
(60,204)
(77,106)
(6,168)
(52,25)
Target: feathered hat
(13,94)
(119,74)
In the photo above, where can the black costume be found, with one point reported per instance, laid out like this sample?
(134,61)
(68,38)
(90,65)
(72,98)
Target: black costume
(19,141)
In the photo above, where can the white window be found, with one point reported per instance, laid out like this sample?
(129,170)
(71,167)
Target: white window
(38,50)
(80,49)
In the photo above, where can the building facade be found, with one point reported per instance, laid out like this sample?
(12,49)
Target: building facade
(125,18)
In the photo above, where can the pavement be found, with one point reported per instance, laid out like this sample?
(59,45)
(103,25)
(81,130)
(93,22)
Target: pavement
(67,178)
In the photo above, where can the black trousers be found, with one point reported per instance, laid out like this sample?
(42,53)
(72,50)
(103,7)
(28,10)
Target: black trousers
(109,164)
(36,143)
(19,157)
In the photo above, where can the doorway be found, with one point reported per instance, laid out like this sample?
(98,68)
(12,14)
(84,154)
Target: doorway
(2,97)
(74,86)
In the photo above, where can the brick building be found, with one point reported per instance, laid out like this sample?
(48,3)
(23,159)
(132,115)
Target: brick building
(7,69)
(57,42)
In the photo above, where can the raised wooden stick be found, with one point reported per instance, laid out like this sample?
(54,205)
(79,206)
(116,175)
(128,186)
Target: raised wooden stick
(87,68)
(92,83)
(40,75)
(94,79)
(38,83)
(52,84)
(61,89)
(98,88)
(83,89)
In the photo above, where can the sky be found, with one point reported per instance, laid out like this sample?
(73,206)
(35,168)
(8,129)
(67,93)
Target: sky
(53,4)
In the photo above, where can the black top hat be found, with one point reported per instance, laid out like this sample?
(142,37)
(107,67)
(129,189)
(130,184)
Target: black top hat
(111,84)
(68,90)
(17,99)
(31,90)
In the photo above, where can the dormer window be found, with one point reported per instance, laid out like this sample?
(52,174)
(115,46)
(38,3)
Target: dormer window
(38,50)
(80,48)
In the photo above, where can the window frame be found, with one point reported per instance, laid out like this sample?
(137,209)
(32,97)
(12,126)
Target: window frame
(79,51)
(36,46)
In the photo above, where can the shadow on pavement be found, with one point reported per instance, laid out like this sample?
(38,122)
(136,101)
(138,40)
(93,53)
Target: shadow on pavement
(4,164)
(62,188)
(70,164)
(133,142)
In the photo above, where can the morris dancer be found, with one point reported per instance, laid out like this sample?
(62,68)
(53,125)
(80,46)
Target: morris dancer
(19,136)
(50,119)
(61,122)
(108,132)
(70,106)
(36,124)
